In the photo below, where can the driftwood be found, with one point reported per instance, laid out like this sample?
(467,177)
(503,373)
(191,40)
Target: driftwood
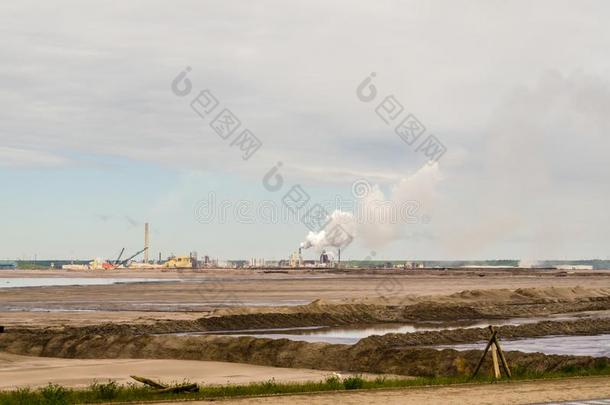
(149,382)
(180,388)
(162,388)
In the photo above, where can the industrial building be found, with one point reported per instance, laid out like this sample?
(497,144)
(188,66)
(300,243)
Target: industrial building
(8,264)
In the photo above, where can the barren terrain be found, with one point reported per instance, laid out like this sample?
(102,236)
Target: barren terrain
(19,371)
(143,324)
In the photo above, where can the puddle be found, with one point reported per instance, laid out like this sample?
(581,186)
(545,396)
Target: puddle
(597,346)
(18,282)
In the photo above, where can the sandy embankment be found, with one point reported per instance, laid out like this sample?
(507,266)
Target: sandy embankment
(367,356)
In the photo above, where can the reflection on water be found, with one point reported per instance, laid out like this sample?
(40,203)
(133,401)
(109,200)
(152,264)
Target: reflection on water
(67,281)
(597,346)
(348,335)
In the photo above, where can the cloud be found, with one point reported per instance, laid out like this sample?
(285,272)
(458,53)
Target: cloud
(541,163)
(29,158)
(95,79)
(519,99)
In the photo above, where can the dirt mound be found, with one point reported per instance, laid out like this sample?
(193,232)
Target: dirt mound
(377,357)
(548,294)
(472,335)
(337,316)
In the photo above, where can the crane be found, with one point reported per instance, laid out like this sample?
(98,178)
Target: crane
(124,262)
(119,258)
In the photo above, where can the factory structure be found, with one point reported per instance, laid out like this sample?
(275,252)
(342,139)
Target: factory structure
(295,260)
(329,258)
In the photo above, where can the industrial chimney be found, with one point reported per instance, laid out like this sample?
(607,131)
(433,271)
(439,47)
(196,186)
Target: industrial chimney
(146,242)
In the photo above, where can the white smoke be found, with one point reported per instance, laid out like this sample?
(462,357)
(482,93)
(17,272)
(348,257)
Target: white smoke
(377,220)
(320,240)
(529,263)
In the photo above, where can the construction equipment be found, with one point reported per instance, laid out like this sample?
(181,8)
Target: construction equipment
(126,261)
(180,262)
(119,258)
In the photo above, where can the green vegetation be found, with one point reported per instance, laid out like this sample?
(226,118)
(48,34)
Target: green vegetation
(25,265)
(112,392)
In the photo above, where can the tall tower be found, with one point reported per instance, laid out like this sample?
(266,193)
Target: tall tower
(146,242)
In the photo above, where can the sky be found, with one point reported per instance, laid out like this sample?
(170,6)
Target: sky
(95,141)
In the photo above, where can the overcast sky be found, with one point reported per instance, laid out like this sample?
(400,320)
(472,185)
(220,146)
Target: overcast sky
(94,142)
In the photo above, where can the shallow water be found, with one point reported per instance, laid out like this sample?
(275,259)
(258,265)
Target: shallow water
(342,335)
(70,281)
(597,346)
(352,334)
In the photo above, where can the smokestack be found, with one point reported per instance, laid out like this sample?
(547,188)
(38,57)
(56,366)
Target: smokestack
(339,255)
(146,242)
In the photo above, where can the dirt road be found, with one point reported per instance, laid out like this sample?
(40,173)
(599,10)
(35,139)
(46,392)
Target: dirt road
(492,394)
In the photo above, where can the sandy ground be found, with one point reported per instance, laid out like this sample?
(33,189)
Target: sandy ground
(504,393)
(19,371)
(196,294)
(75,318)
(200,292)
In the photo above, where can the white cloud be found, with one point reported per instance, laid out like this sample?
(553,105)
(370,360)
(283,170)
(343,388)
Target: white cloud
(26,158)
(518,92)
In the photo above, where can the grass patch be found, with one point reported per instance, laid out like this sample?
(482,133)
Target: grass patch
(112,392)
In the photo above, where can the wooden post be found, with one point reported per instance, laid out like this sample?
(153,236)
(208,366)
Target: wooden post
(476,370)
(502,358)
(496,350)
(494,358)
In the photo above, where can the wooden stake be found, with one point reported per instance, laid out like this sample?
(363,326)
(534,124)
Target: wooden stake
(496,350)
(494,358)
(502,358)
(476,370)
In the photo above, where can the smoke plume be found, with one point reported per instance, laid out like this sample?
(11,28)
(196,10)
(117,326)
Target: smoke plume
(379,220)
